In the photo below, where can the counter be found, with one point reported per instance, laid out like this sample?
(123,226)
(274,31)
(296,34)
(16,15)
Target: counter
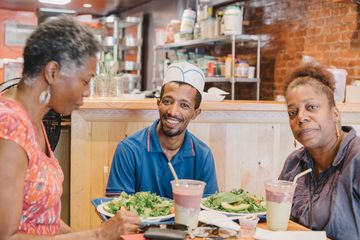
(250,142)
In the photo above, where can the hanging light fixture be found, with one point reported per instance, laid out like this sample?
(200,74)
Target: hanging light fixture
(56,2)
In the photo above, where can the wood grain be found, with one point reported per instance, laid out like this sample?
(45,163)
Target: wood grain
(249,145)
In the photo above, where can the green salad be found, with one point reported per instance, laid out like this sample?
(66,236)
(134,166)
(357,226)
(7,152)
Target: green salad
(145,204)
(235,201)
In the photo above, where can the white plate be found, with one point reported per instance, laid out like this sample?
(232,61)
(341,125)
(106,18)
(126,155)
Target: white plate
(100,209)
(229,214)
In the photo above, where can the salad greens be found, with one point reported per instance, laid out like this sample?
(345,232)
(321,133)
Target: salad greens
(145,204)
(235,201)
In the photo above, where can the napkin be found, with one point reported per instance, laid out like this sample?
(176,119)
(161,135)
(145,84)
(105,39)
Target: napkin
(218,219)
(214,94)
(262,234)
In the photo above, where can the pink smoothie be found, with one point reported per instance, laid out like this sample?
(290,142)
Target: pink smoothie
(187,197)
(279,196)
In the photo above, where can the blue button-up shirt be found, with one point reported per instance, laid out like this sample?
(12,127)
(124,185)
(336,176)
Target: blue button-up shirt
(139,164)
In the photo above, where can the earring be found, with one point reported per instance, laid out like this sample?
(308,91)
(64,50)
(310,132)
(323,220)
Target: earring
(45,96)
(337,131)
(295,144)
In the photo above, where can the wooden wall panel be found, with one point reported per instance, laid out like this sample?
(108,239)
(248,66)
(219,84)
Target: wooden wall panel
(80,172)
(249,147)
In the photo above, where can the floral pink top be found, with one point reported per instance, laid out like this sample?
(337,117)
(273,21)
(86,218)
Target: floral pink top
(43,182)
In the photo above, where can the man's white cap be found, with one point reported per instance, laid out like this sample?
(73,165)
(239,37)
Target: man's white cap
(185,72)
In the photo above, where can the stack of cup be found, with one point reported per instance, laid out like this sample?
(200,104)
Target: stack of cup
(187,21)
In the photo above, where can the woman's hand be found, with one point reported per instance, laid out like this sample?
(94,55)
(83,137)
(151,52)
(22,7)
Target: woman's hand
(123,222)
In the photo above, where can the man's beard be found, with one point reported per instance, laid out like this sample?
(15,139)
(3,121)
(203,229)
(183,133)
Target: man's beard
(170,132)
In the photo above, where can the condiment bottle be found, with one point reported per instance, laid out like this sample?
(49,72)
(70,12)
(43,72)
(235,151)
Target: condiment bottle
(228,66)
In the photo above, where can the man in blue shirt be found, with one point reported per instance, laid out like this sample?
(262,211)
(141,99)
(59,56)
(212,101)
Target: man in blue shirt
(140,161)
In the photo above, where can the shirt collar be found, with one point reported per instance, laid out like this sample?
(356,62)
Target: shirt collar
(153,144)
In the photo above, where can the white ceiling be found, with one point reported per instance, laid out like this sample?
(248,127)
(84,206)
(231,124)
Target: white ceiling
(100,7)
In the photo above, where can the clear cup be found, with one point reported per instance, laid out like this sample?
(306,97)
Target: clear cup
(187,196)
(279,197)
(118,86)
(102,85)
(248,225)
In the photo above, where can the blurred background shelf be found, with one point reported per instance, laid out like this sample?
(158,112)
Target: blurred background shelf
(223,39)
(208,41)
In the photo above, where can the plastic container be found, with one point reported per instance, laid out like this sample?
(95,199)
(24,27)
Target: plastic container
(251,72)
(243,69)
(197,31)
(172,28)
(188,21)
(211,70)
(340,83)
(228,66)
(248,225)
(160,36)
(233,17)
(207,27)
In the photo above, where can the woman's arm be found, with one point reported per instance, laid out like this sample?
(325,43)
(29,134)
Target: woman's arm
(122,223)
(64,228)
(13,165)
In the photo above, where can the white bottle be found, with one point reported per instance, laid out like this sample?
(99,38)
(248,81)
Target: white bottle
(228,66)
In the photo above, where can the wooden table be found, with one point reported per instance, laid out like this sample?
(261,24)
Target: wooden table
(291,227)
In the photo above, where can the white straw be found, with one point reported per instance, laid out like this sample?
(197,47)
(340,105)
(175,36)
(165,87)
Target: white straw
(173,172)
(301,174)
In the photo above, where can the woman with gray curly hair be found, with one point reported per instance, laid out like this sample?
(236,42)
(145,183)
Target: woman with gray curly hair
(59,61)
(329,197)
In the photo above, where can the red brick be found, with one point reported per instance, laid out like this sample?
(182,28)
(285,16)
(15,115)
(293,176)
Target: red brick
(323,47)
(354,63)
(325,12)
(349,18)
(340,46)
(332,38)
(350,54)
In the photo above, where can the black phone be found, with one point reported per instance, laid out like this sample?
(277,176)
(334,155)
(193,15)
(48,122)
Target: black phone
(165,234)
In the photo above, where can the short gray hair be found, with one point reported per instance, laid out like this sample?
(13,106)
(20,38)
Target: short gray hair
(63,40)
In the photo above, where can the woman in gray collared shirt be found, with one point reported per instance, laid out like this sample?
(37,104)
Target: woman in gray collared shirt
(329,197)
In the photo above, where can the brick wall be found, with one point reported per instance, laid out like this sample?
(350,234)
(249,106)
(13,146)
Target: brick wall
(328,30)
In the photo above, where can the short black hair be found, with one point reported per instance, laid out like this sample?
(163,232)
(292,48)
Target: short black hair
(314,75)
(61,39)
(198,96)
